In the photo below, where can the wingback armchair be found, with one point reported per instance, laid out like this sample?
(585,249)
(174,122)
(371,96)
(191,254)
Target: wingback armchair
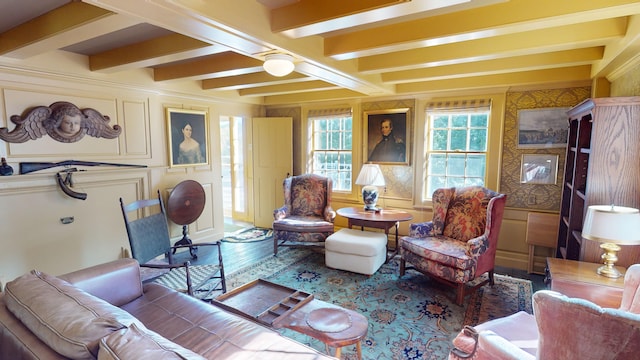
(460,242)
(560,328)
(306,215)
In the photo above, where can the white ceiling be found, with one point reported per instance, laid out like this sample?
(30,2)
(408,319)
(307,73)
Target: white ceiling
(343,49)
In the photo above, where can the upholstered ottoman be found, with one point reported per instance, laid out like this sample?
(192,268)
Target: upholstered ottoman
(358,251)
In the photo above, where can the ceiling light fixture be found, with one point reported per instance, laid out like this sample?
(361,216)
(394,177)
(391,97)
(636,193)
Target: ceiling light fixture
(278,64)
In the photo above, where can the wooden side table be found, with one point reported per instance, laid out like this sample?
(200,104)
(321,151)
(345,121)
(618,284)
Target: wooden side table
(579,279)
(384,219)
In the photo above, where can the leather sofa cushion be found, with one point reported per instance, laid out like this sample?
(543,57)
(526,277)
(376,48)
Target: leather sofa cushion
(141,344)
(67,319)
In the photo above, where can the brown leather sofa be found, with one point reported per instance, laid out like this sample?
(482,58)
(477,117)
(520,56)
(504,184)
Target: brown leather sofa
(173,324)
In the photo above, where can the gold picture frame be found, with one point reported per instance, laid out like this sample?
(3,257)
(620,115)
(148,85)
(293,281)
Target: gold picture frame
(388,148)
(187,135)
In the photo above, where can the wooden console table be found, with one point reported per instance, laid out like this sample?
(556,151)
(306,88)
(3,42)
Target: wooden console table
(579,279)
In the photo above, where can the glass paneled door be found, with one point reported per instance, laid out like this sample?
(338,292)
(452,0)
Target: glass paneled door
(233,168)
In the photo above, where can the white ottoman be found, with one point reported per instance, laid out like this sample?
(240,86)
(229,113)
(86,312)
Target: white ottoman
(358,251)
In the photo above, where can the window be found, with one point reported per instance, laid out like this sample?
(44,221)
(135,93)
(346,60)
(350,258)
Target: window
(456,151)
(332,144)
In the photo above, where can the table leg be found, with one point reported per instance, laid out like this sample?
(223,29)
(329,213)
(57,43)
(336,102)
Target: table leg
(359,350)
(338,352)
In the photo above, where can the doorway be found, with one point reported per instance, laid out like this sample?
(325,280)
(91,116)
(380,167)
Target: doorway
(234,183)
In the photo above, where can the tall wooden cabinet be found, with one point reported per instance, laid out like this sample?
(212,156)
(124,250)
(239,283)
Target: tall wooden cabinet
(602,167)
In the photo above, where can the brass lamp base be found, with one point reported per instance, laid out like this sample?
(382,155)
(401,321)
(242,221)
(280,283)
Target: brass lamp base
(609,258)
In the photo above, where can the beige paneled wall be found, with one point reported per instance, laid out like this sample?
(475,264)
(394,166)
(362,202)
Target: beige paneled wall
(34,236)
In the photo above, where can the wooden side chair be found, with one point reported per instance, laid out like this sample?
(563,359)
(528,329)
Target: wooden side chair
(151,246)
(460,243)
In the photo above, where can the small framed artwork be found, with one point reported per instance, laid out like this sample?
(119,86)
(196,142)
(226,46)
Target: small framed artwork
(387,136)
(543,128)
(539,169)
(187,137)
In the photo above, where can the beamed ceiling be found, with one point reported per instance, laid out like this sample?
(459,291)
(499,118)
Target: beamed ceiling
(343,48)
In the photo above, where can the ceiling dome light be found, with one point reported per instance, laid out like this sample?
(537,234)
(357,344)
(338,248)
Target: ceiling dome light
(278,64)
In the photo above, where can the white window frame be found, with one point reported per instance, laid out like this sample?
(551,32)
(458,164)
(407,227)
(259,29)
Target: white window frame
(347,172)
(495,104)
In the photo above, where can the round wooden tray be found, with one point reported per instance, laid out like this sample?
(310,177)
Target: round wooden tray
(186,202)
(329,320)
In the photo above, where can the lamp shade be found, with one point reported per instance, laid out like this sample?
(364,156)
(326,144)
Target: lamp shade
(612,224)
(370,174)
(278,64)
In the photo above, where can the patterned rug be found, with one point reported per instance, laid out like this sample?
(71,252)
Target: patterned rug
(248,235)
(409,318)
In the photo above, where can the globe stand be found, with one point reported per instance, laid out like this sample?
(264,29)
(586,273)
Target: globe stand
(184,206)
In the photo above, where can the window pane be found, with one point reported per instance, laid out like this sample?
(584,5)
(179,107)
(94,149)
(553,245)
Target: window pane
(479,120)
(441,121)
(476,165)
(455,182)
(435,182)
(320,142)
(456,165)
(437,164)
(458,121)
(458,140)
(439,139)
(478,140)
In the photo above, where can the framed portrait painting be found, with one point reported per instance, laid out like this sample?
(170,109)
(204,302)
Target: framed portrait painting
(387,136)
(539,169)
(543,128)
(187,137)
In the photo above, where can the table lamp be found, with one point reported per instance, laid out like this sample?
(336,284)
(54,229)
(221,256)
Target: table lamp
(371,177)
(611,226)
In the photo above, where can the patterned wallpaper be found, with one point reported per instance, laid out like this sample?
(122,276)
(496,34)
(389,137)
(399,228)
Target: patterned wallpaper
(399,178)
(533,196)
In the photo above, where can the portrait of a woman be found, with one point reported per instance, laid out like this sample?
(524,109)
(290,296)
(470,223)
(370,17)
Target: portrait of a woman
(188,142)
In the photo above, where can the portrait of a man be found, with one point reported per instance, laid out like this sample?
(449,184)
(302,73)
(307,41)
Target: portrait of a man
(387,137)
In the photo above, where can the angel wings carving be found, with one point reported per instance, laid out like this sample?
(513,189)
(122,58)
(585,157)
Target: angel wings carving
(61,120)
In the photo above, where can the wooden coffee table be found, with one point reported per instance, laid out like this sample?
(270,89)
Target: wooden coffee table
(384,219)
(278,306)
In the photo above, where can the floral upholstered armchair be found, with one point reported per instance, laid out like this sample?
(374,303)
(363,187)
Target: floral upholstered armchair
(307,215)
(460,243)
(560,328)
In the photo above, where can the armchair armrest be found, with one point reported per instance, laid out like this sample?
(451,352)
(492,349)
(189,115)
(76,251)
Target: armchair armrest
(422,229)
(498,348)
(329,214)
(478,245)
(280,213)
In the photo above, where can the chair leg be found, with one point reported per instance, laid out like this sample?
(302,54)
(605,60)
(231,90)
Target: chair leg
(460,294)
(222,278)
(275,246)
(491,282)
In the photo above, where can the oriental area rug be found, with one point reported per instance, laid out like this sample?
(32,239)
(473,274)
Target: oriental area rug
(248,235)
(411,317)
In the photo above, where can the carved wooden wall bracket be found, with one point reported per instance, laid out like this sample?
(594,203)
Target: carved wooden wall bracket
(62,121)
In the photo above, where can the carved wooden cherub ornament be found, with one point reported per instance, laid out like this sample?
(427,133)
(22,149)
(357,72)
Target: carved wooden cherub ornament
(61,120)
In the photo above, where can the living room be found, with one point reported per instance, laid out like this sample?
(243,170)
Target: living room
(536,57)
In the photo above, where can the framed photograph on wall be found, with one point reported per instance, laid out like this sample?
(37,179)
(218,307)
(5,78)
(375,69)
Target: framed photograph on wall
(539,169)
(187,137)
(543,128)
(387,136)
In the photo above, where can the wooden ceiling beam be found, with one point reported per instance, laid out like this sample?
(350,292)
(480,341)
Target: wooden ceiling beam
(250,80)
(306,12)
(496,66)
(217,65)
(591,34)
(569,74)
(489,21)
(46,26)
(165,49)
(296,87)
